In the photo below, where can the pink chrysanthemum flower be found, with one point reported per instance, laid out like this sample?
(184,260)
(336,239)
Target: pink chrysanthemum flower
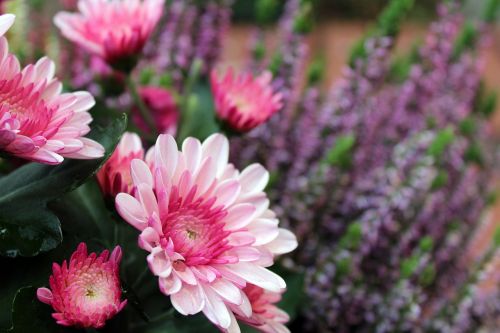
(114,177)
(115,30)
(163,108)
(37,121)
(266,316)
(208,227)
(86,292)
(242,101)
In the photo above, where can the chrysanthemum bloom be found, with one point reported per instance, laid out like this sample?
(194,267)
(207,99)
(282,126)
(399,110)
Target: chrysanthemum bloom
(86,292)
(266,316)
(2,6)
(114,177)
(242,101)
(163,108)
(208,227)
(37,121)
(115,30)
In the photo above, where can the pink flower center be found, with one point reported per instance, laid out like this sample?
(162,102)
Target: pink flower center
(196,230)
(241,103)
(92,291)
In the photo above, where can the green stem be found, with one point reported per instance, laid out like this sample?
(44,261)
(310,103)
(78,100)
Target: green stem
(162,316)
(143,109)
(116,236)
(185,115)
(189,113)
(140,278)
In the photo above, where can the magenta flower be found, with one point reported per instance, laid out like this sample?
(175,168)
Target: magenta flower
(37,121)
(208,227)
(163,108)
(266,316)
(244,102)
(114,177)
(86,292)
(115,30)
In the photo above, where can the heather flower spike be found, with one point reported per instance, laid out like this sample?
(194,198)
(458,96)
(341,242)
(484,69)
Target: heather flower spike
(37,121)
(86,291)
(114,177)
(208,227)
(242,101)
(115,30)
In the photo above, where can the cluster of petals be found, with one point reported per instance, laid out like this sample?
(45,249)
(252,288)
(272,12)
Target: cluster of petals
(114,30)
(86,292)
(207,226)
(266,316)
(163,108)
(37,121)
(244,102)
(114,177)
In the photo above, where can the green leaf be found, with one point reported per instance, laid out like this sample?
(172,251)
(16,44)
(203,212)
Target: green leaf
(200,114)
(27,226)
(440,180)
(352,237)
(265,11)
(341,153)
(442,140)
(31,315)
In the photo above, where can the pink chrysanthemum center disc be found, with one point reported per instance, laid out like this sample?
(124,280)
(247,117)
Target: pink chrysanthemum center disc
(241,102)
(196,229)
(92,291)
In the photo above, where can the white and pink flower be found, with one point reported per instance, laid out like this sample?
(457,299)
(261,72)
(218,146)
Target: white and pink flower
(242,101)
(208,227)
(37,121)
(86,291)
(115,30)
(114,177)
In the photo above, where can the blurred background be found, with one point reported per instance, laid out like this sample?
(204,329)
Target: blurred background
(340,23)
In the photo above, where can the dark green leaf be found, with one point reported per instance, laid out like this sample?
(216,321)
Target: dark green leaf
(27,226)
(31,315)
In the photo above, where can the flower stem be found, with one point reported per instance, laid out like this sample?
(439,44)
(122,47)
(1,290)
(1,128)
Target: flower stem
(143,109)
(162,316)
(140,278)
(186,116)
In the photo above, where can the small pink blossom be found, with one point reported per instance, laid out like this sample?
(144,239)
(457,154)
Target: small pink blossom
(37,121)
(163,108)
(242,101)
(115,30)
(208,227)
(266,316)
(86,292)
(2,6)
(114,177)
